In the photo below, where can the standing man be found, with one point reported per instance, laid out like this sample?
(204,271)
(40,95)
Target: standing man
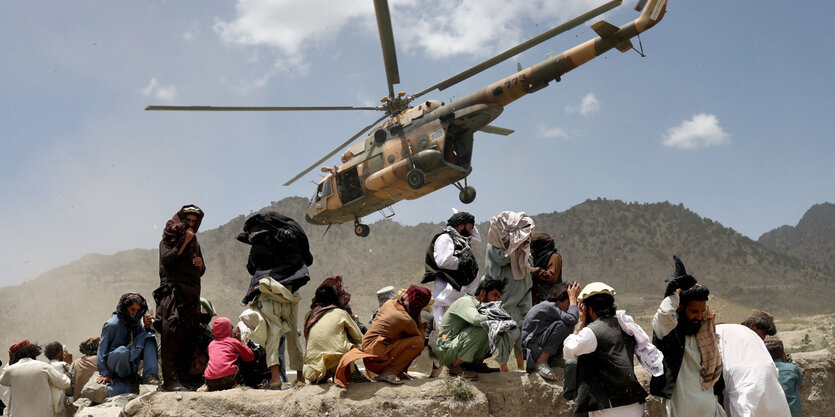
(178,296)
(509,260)
(604,351)
(752,385)
(31,382)
(761,323)
(547,262)
(684,329)
(450,263)
(547,325)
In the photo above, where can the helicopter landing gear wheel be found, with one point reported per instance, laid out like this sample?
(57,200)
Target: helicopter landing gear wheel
(416,178)
(467,195)
(362,230)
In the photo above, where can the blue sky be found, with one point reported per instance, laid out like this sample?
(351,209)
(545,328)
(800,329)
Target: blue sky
(730,113)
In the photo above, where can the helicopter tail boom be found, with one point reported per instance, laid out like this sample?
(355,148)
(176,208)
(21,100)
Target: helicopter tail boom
(540,75)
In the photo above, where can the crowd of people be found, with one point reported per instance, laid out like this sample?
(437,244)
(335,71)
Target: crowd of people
(519,308)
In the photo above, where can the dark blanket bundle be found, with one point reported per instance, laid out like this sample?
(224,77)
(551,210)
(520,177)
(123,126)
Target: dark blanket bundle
(280,250)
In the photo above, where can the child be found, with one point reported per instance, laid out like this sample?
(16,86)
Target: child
(221,372)
(790,378)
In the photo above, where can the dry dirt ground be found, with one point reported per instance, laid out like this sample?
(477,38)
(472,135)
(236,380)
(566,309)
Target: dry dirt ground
(507,395)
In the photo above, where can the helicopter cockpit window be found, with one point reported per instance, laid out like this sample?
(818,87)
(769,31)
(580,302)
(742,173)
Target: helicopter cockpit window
(348,185)
(324,190)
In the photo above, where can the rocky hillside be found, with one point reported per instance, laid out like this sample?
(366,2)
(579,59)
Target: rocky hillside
(812,240)
(628,245)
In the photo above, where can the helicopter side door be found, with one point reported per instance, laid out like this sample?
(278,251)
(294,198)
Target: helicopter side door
(348,185)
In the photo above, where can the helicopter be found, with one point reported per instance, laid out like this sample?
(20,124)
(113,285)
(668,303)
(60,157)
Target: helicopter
(428,146)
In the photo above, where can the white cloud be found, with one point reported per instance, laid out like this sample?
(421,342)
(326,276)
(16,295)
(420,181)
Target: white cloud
(192,33)
(440,28)
(159,92)
(701,131)
(588,105)
(550,132)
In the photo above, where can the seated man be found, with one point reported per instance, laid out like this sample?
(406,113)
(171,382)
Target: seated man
(394,339)
(127,338)
(462,341)
(83,368)
(330,333)
(547,325)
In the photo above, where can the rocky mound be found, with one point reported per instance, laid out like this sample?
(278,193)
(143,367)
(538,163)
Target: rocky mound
(508,395)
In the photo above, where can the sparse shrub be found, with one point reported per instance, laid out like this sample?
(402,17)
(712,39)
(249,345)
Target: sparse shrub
(459,388)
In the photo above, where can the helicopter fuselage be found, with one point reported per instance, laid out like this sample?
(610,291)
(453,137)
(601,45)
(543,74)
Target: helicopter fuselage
(437,138)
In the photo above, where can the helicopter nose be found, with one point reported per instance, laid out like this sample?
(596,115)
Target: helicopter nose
(310,220)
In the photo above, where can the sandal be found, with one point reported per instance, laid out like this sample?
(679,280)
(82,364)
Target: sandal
(545,372)
(389,379)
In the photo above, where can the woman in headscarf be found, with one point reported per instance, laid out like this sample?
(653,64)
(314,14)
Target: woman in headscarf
(547,262)
(330,332)
(394,339)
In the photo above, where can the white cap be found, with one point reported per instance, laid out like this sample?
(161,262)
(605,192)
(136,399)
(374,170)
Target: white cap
(593,289)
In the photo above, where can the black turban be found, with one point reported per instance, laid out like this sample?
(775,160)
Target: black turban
(462,217)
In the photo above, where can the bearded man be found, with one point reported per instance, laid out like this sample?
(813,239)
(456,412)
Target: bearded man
(450,263)
(178,296)
(684,329)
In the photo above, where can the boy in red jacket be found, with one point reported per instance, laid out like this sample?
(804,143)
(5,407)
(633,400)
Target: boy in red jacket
(221,372)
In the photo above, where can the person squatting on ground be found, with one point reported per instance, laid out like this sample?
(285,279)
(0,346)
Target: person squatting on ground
(547,262)
(450,263)
(221,372)
(84,367)
(330,332)
(790,377)
(547,325)
(127,339)
(509,260)
(60,359)
(394,339)
(31,382)
(604,344)
(684,329)
(752,386)
(278,261)
(181,265)
(462,344)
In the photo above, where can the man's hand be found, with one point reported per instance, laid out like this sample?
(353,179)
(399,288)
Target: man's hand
(102,380)
(198,262)
(147,319)
(573,292)
(189,235)
(581,319)
(67,356)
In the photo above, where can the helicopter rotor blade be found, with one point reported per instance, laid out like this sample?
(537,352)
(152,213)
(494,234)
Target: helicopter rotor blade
(241,108)
(381,8)
(571,24)
(325,158)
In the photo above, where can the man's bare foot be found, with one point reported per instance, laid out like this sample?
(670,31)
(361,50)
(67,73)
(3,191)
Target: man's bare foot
(503,368)
(299,383)
(203,388)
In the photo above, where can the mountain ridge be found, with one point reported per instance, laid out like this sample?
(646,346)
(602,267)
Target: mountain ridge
(628,245)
